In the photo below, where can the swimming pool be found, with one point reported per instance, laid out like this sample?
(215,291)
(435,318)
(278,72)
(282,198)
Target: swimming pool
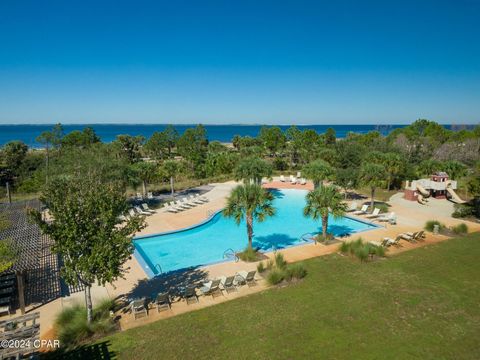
(206,243)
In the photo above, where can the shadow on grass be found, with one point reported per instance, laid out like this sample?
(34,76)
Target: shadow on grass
(98,351)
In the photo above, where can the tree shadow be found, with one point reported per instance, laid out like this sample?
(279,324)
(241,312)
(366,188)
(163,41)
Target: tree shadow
(274,241)
(276,193)
(97,351)
(173,282)
(339,230)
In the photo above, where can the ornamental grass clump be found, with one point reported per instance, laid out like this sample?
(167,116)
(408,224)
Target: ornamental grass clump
(362,250)
(278,270)
(460,229)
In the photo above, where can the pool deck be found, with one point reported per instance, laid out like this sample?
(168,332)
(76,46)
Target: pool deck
(411,216)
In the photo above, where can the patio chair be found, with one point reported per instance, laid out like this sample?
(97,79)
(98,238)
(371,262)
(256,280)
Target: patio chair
(202,198)
(187,201)
(373,215)
(376,243)
(420,235)
(303,181)
(390,218)
(150,195)
(176,207)
(139,196)
(141,212)
(389,242)
(282,178)
(299,174)
(180,204)
(352,207)
(211,288)
(293,180)
(162,302)
(146,208)
(228,284)
(363,210)
(190,295)
(195,200)
(410,238)
(132,213)
(248,278)
(138,308)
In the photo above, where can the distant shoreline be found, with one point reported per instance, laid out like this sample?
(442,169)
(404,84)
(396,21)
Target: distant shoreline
(222,133)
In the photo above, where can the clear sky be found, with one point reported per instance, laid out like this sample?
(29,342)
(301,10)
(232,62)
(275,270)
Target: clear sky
(303,62)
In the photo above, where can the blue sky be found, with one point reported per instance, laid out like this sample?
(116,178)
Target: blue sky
(303,62)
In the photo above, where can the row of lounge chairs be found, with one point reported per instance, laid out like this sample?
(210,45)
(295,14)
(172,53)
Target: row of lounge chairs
(185,203)
(294,180)
(137,210)
(409,236)
(140,197)
(214,288)
(390,218)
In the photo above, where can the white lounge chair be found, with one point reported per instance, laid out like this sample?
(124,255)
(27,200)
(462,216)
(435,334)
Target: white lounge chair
(139,196)
(420,235)
(391,218)
(352,207)
(299,174)
(176,207)
(181,205)
(282,178)
(293,180)
(211,288)
(373,215)
(363,210)
(389,242)
(303,181)
(150,195)
(141,212)
(188,203)
(195,200)
(201,198)
(228,283)
(146,208)
(132,213)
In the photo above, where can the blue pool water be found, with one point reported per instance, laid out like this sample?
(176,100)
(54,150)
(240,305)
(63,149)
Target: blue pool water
(207,242)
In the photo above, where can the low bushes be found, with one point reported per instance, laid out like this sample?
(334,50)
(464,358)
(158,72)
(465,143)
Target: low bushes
(430,224)
(460,229)
(73,329)
(362,250)
(279,270)
(248,255)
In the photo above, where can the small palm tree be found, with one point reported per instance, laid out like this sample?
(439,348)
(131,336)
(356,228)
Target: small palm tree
(323,201)
(318,171)
(249,202)
(373,176)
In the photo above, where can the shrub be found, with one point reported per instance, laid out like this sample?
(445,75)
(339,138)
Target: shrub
(248,255)
(460,228)
(261,267)
(361,250)
(429,225)
(280,261)
(270,264)
(72,326)
(383,207)
(275,276)
(462,211)
(295,271)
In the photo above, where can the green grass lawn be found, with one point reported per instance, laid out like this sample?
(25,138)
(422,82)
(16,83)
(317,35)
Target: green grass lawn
(420,304)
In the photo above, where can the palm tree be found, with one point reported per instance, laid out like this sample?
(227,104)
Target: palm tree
(253,169)
(373,176)
(318,171)
(323,201)
(171,169)
(249,202)
(394,165)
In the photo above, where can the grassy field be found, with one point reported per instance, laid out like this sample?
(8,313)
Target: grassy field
(420,304)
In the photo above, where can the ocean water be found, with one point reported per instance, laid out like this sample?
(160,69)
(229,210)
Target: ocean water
(223,133)
(206,243)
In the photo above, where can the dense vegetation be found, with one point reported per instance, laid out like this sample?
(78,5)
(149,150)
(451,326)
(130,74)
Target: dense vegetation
(371,163)
(419,304)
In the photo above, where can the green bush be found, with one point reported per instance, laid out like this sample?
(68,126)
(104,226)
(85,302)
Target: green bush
(73,329)
(460,229)
(429,225)
(261,267)
(295,271)
(383,207)
(280,261)
(270,264)
(248,255)
(275,276)
(463,211)
(361,250)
